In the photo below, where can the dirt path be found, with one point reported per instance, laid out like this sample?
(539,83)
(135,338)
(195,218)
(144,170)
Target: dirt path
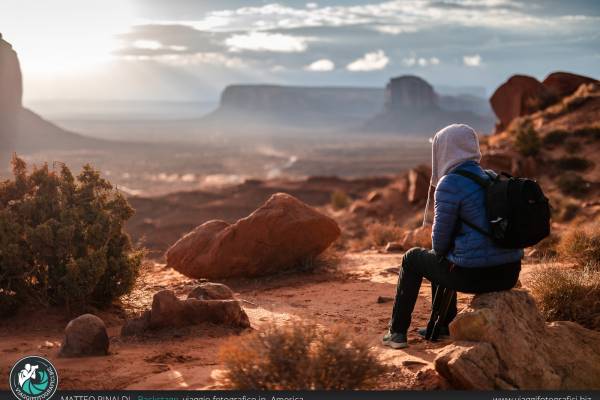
(188,358)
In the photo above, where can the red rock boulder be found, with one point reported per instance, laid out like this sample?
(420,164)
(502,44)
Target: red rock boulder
(562,84)
(277,236)
(520,95)
(418,183)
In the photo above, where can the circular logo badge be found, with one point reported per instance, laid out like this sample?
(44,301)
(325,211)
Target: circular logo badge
(33,378)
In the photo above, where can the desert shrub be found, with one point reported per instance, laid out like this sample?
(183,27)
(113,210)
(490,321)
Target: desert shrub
(568,212)
(573,163)
(327,260)
(581,245)
(299,356)
(568,294)
(572,184)
(62,240)
(592,132)
(572,147)
(380,234)
(555,138)
(339,200)
(527,141)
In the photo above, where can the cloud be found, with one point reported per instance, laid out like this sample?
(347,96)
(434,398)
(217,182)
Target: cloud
(472,61)
(373,61)
(263,41)
(420,61)
(321,65)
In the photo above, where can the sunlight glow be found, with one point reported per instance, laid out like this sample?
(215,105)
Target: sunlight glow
(62,36)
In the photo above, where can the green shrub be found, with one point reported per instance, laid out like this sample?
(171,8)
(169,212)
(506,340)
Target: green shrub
(573,163)
(299,356)
(339,200)
(62,240)
(572,184)
(568,294)
(555,138)
(527,141)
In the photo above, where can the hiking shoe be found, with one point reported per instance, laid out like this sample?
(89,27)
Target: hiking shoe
(444,332)
(395,340)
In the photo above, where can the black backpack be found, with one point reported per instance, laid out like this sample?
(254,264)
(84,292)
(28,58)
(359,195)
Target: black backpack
(516,208)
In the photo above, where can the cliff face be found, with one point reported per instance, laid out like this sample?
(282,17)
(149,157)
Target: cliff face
(11,94)
(413,107)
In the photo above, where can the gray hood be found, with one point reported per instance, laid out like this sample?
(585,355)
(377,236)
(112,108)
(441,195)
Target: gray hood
(451,146)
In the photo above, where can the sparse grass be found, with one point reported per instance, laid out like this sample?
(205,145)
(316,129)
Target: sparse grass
(573,163)
(581,245)
(572,184)
(555,138)
(380,234)
(527,141)
(339,200)
(299,356)
(547,247)
(568,294)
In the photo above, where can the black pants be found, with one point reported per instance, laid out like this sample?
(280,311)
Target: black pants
(419,263)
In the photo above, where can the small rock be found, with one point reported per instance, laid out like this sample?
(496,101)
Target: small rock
(394,247)
(85,336)
(384,299)
(211,291)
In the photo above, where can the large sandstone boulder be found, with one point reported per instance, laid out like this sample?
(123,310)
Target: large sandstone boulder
(520,95)
(275,237)
(502,342)
(562,84)
(85,336)
(168,311)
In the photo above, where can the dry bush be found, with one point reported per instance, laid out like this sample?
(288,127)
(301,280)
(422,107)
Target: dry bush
(572,184)
(380,234)
(573,163)
(327,260)
(339,200)
(581,245)
(555,138)
(299,356)
(568,295)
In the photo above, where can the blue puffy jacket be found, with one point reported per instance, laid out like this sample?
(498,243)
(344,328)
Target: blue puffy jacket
(462,245)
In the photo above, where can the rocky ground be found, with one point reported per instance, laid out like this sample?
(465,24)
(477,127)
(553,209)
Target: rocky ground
(188,357)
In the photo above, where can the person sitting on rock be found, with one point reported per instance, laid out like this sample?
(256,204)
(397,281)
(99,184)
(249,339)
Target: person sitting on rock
(462,258)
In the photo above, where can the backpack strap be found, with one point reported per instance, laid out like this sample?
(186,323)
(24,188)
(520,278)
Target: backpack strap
(484,183)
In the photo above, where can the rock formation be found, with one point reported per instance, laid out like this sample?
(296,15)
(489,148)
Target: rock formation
(170,312)
(250,107)
(11,93)
(85,336)
(501,341)
(523,95)
(277,236)
(413,107)
(418,183)
(563,84)
(519,95)
(410,92)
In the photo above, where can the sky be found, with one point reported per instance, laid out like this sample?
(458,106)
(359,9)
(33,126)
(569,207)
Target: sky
(188,50)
